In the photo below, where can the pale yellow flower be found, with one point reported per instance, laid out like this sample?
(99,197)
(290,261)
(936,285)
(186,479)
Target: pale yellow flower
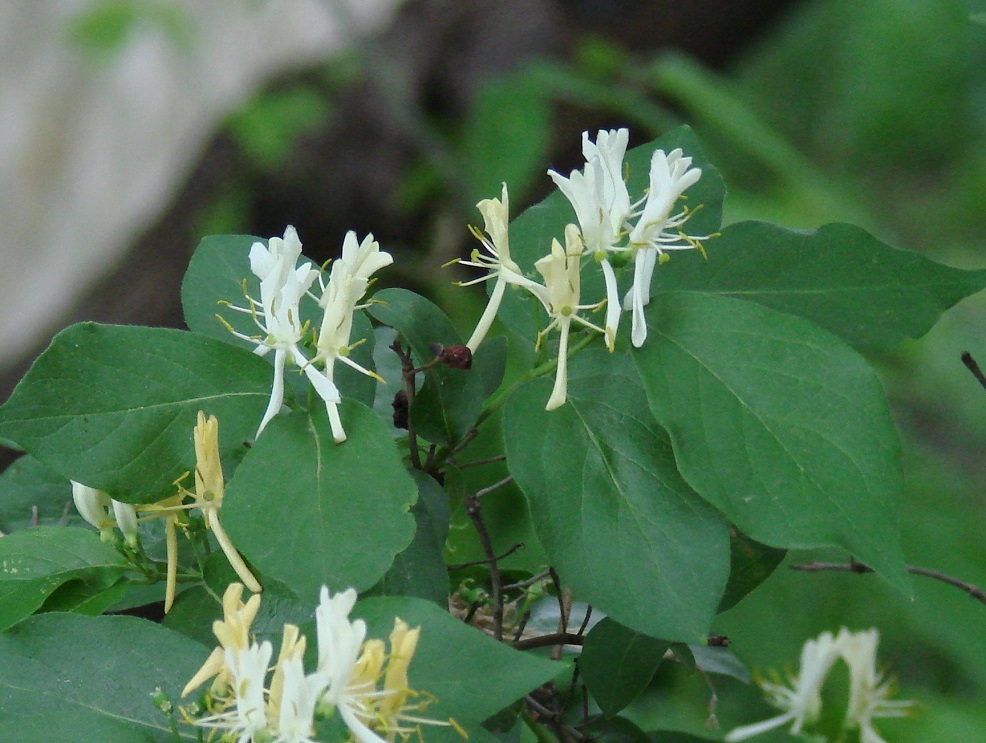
(233,632)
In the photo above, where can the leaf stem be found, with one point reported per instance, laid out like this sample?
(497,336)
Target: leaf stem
(499,398)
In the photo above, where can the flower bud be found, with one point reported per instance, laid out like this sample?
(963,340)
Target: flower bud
(455,357)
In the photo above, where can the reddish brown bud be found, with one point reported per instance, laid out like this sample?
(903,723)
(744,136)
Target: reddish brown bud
(456,357)
(400,409)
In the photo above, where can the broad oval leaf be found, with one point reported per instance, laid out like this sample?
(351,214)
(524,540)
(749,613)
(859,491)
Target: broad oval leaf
(617,521)
(310,512)
(779,424)
(79,679)
(618,664)
(420,569)
(216,274)
(838,276)
(750,564)
(114,406)
(35,563)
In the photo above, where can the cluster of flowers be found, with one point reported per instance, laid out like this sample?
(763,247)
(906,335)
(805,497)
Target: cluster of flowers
(869,690)
(611,228)
(282,285)
(103,512)
(245,706)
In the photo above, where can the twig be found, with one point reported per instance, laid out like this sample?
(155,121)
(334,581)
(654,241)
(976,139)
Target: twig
(477,462)
(529,582)
(494,486)
(563,617)
(475,512)
(972,366)
(544,641)
(585,620)
(857,567)
(65,511)
(466,440)
(565,733)
(564,607)
(473,608)
(407,374)
(521,625)
(485,561)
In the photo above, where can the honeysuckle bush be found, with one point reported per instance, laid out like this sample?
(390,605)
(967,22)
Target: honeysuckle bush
(666,407)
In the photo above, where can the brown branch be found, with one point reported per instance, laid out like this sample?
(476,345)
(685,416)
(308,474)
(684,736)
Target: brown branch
(475,512)
(972,366)
(495,486)
(564,609)
(407,374)
(485,561)
(857,567)
(477,462)
(544,641)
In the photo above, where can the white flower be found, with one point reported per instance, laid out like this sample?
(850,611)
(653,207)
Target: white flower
(103,512)
(348,281)
(339,644)
(93,506)
(126,520)
(298,698)
(500,266)
(599,196)
(869,690)
(247,669)
(598,193)
(363,259)
(802,700)
(560,297)
(282,285)
(657,230)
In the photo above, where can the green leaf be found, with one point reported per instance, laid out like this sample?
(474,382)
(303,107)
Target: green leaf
(34,563)
(713,659)
(531,233)
(217,273)
(449,402)
(114,406)
(33,495)
(615,730)
(470,675)
(79,679)
(618,664)
(420,569)
(674,736)
(839,276)
(751,563)
(778,424)
(309,512)
(617,521)
(91,598)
